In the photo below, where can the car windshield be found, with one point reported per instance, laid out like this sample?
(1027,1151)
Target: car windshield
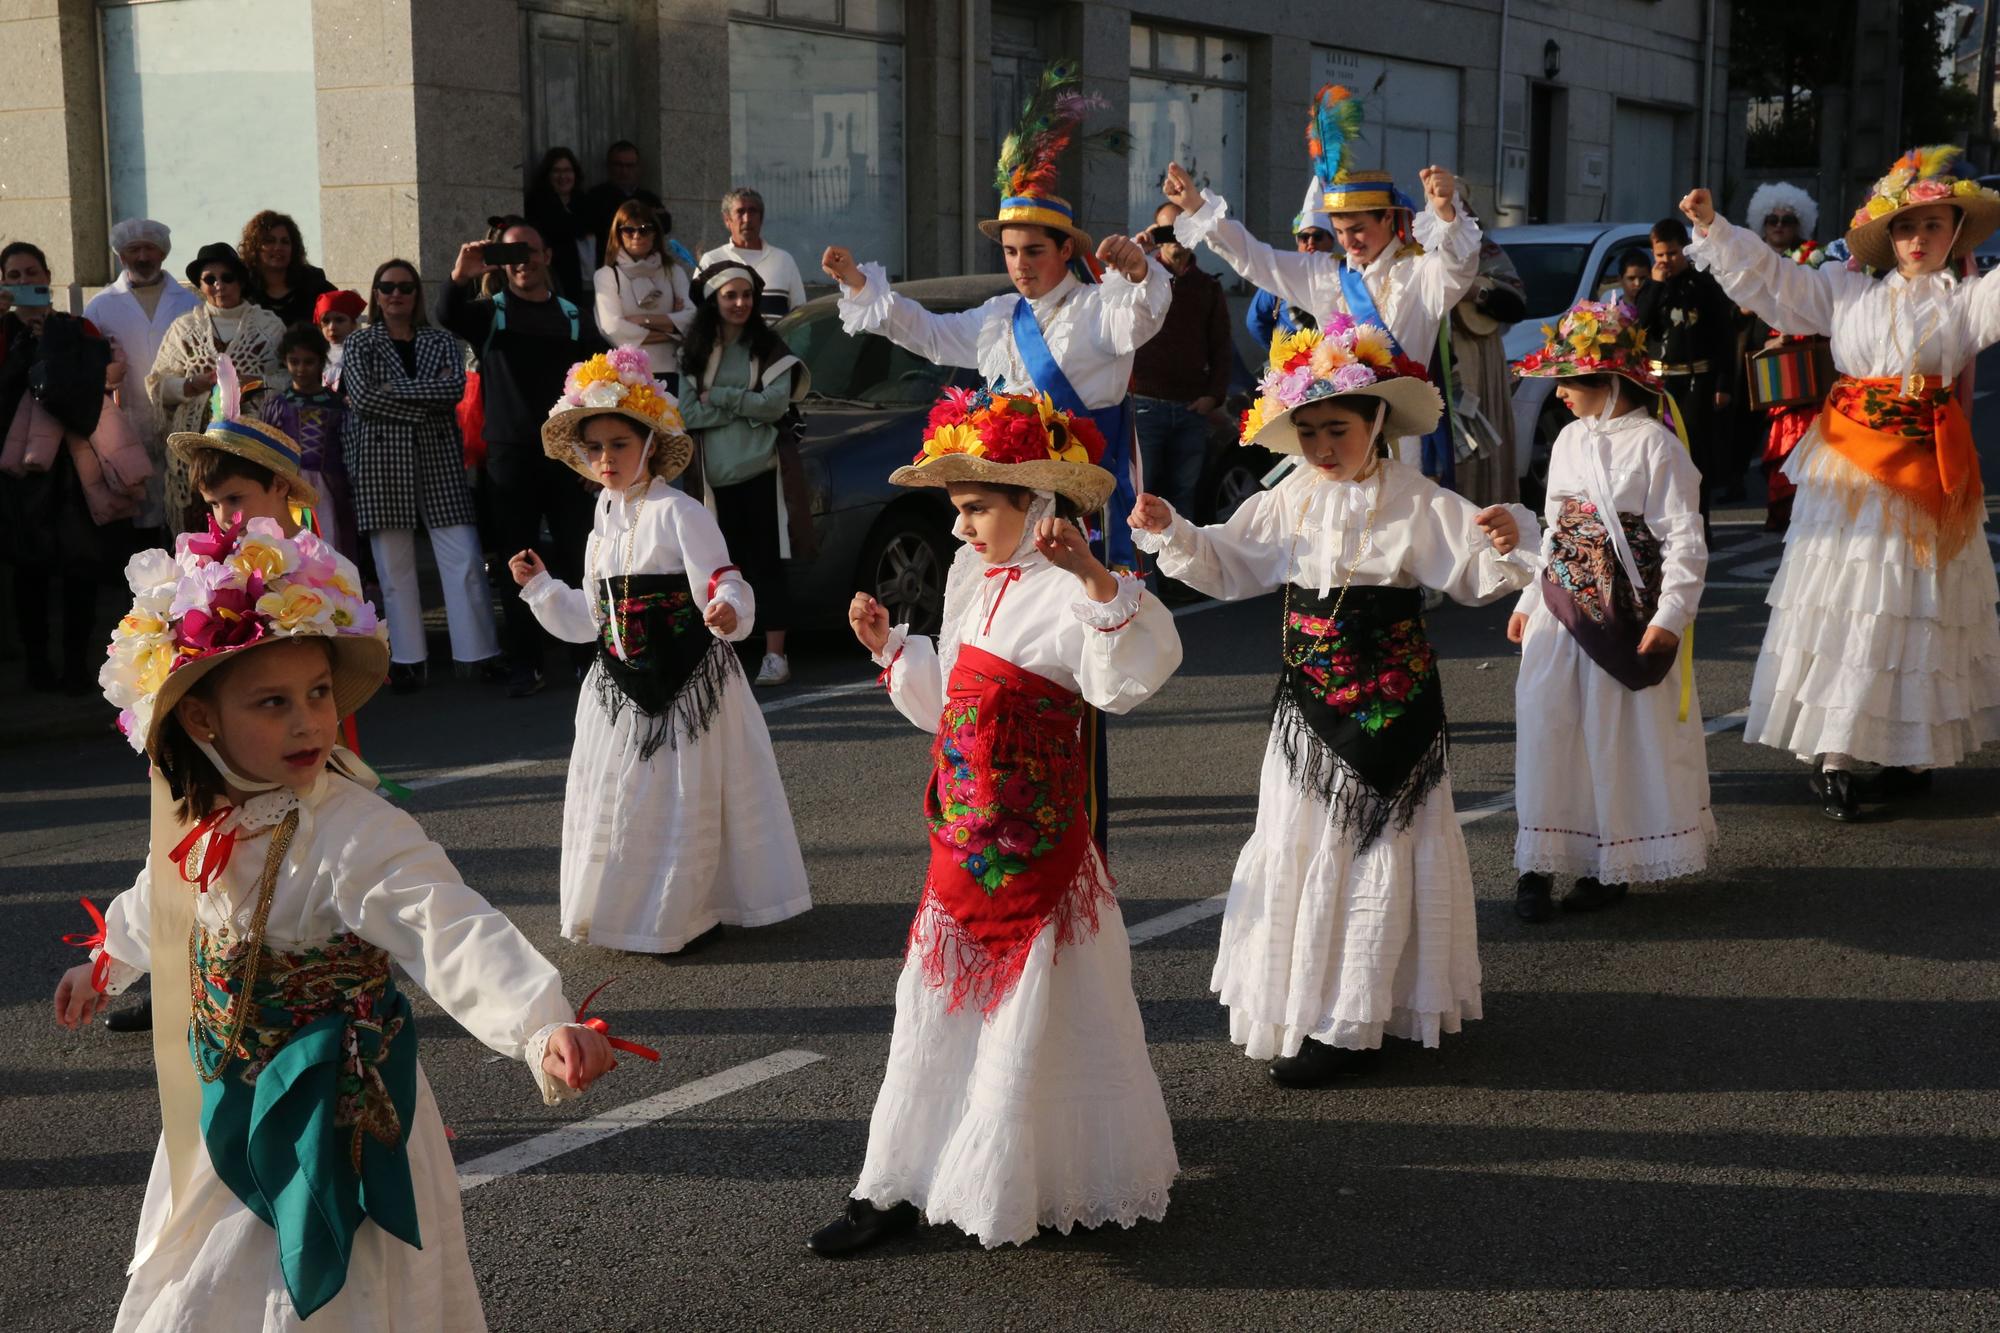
(861,368)
(1551,273)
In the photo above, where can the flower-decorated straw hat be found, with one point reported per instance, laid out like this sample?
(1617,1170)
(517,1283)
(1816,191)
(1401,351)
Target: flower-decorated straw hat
(1593,338)
(1919,177)
(233,433)
(1000,439)
(619,383)
(223,593)
(1342,359)
(1330,136)
(1030,158)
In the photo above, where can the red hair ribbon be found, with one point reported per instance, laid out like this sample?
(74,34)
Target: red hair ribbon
(1012,575)
(217,856)
(101,968)
(603,1029)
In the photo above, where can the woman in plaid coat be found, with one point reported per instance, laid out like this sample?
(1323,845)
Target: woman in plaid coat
(402,380)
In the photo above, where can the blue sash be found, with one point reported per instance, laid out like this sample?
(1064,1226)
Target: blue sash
(1114,422)
(1361,305)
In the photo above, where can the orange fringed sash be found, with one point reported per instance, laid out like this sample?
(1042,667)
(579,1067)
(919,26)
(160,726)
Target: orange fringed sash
(1918,446)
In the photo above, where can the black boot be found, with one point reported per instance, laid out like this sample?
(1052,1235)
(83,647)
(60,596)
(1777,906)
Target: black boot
(860,1226)
(1531,897)
(1318,1064)
(1835,789)
(133,1018)
(1591,894)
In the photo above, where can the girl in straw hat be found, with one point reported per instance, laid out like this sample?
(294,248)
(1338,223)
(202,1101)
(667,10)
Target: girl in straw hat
(1018,1093)
(302,1169)
(1883,647)
(1350,913)
(674,820)
(1611,765)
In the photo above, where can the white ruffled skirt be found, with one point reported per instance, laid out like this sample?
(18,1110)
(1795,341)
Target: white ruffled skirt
(1608,781)
(656,851)
(1046,1114)
(1870,653)
(1346,947)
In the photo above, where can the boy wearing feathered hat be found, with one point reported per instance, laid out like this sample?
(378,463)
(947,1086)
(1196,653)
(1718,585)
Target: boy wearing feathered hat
(1063,334)
(1351,915)
(1883,647)
(1610,760)
(1405,288)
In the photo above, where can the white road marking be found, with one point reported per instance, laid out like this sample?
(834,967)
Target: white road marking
(468,772)
(816,696)
(582,1133)
(1167,922)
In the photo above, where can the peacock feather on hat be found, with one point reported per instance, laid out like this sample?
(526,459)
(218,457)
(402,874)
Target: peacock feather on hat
(1030,158)
(1331,134)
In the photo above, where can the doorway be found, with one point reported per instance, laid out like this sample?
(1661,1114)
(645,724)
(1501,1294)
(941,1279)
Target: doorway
(576,88)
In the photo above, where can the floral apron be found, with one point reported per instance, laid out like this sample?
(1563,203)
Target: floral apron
(1009,812)
(655,655)
(1360,709)
(1585,586)
(306,1113)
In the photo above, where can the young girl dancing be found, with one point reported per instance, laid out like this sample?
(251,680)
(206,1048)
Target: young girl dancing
(1019,1093)
(1610,760)
(1350,913)
(674,820)
(1883,648)
(302,1168)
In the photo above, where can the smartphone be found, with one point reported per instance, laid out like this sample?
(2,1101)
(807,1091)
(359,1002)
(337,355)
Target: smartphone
(29,294)
(1163,234)
(501,253)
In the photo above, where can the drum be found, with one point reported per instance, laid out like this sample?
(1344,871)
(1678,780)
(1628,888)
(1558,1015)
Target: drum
(1796,373)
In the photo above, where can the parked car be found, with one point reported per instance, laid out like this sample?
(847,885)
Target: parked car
(1560,264)
(864,419)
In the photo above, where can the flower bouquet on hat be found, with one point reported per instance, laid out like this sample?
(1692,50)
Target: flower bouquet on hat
(621,382)
(1003,439)
(1592,338)
(1343,358)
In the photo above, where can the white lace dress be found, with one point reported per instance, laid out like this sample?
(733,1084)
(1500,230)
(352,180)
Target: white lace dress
(1047,1112)
(1322,939)
(657,850)
(1609,781)
(356,863)
(1873,652)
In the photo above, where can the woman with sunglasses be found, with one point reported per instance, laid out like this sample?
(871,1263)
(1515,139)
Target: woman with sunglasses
(183,372)
(405,460)
(642,290)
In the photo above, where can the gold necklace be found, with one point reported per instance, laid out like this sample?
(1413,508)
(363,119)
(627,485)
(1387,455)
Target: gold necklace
(1325,637)
(248,963)
(638,509)
(1896,342)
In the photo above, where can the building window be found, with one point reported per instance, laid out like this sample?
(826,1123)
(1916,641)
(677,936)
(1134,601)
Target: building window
(816,123)
(1411,121)
(1189,105)
(180,142)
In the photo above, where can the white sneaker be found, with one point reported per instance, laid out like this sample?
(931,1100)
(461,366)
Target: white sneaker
(777,670)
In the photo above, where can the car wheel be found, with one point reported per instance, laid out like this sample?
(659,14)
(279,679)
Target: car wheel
(903,567)
(1237,476)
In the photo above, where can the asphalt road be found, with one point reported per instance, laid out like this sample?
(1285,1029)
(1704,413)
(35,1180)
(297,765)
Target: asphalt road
(1762,1098)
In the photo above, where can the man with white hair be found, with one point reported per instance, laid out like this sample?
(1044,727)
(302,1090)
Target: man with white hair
(1785,216)
(134,313)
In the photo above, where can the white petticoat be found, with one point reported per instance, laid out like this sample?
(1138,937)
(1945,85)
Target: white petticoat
(656,851)
(1870,653)
(1608,781)
(1046,1114)
(1319,941)
(217,1269)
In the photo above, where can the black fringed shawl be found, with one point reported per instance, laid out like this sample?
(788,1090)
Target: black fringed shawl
(673,670)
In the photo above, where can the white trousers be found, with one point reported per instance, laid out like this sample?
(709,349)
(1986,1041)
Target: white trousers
(468,602)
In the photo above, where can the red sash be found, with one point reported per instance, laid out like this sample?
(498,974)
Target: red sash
(1010,824)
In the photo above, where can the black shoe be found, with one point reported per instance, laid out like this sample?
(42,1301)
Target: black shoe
(1318,1064)
(1531,897)
(1835,789)
(860,1226)
(406,677)
(495,671)
(1894,782)
(523,681)
(132,1018)
(1590,895)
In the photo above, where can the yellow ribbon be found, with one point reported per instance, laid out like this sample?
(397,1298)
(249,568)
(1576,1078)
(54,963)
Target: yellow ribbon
(1686,654)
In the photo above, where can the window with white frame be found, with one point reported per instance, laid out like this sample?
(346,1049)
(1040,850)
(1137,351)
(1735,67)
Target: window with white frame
(1410,122)
(816,123)
(182,141)
(1190,104)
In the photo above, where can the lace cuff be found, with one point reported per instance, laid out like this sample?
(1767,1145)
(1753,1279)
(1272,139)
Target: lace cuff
(117,975)
(554,1091)
(892,647)
(867,310)
(1458,238)
(1721,246)
(1190,228)
(1116,614)
(1152,543)
(538,587)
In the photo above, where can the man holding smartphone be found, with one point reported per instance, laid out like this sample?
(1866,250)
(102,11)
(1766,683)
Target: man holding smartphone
(1181,374)
(527,338)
